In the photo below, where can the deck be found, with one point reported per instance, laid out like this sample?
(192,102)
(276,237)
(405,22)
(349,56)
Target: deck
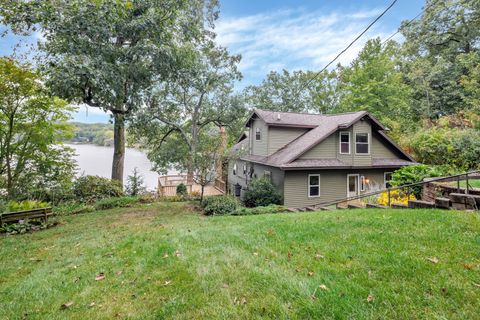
(167,186)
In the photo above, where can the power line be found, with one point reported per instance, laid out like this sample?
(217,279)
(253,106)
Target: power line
(348,47)
(409,22)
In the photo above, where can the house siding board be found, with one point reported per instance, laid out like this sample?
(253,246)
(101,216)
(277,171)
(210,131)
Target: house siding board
(324,150)
(259,148)
(279,137)
(333,185)
(381,151)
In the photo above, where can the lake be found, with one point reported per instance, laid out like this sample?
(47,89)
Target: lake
(97,160)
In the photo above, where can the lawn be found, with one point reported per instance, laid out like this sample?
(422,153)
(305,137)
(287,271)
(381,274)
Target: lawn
(474,183)
(165,261)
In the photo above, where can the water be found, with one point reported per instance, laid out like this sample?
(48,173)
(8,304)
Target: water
(97,160)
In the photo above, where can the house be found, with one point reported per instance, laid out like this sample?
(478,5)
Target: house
(314,158)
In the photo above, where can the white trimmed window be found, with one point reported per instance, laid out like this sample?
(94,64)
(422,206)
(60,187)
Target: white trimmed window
(258,134)
(234,169)
(344,142)
(387,177)
(244,169)
(363,183)
(362,145)
(313,185)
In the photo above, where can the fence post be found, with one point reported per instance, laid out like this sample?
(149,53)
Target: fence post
(466,183)
(388,197)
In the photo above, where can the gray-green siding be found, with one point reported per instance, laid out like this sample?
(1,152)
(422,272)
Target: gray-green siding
(333,185)
(278,137)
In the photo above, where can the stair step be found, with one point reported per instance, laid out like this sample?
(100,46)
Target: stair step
(420,204)
(325,209)
(354,206)
(378,206)
(443,203)
(399,206)
(310,209)
(461,201)
(292,210)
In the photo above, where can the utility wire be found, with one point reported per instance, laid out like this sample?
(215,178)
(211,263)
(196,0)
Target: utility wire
(409,22)
(348,47)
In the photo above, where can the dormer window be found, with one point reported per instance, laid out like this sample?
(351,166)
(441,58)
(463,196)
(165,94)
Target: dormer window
(258,134)
(345,142)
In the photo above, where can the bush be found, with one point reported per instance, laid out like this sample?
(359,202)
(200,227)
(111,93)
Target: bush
(219,205)
(273,208)
(135,185)
(67,208)
(182,190)
(416,173)
(93,188)
(110,203)
(261,192)
(396,196)
(13,206)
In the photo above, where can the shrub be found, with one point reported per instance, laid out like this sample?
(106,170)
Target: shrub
(182,190)
(416,173)
(93,188)
(261,192)
(219,205)
(67,208)
(13,206)
(396,196)
(135,185)
(273,208)
(119,202)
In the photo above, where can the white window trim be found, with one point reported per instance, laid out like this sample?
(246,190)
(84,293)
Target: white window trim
(368,144)
(385,178)
(363,183)
(340,142)
(258,130)
(314,185)
(244,169)
(234,169)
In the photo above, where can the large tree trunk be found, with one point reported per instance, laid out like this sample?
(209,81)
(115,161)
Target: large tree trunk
(118,147)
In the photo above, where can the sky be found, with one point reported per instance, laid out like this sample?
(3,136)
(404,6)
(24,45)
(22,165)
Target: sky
(286,34)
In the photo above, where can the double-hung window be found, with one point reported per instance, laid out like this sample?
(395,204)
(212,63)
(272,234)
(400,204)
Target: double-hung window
(362,143)
(313,185)
(345,142)
(244,169)
(258,134)
(234,169)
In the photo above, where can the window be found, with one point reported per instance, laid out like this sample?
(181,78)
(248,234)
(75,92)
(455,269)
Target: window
(364,183)
(234,169)
(313,185)
(267,174)
(258,134)
(387,177)
(345,142)
(244,169)
(361,143)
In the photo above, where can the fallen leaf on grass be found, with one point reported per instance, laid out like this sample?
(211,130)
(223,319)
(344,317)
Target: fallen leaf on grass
(35,259)
(108,254)
(76,279)
(270,232)
(476,285)
(240,301)
(177,253)
(255,253)
(433,260)
(370,298)
(319,256)
(310,273)
(225,286)
(323,287)
(119,273)
(167,282)
(100,277)
(91,305)
(289,255)
(165,255)
(468,266)
(67,305)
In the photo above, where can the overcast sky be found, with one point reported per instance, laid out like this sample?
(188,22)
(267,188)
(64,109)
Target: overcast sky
(286,34)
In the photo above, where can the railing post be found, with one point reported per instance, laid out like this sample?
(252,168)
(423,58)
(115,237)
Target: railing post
(458,184)
(389,197)
(466,183)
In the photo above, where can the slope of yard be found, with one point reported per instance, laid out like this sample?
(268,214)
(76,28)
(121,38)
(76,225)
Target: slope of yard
(164,261)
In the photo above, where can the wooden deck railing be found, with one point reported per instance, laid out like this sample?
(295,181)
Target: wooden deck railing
(221,185)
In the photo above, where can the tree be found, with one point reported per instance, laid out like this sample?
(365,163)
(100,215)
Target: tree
(177,113)
(299,91)
(106,53)
(32,126)
(433,47)
(372,82)
(135,184)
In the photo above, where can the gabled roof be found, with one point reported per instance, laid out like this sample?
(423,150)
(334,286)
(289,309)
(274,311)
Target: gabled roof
(322,126)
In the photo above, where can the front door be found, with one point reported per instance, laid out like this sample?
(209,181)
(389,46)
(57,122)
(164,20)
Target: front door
(352,185)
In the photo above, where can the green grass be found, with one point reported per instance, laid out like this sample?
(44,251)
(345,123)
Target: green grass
(463,183)
(245,267)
